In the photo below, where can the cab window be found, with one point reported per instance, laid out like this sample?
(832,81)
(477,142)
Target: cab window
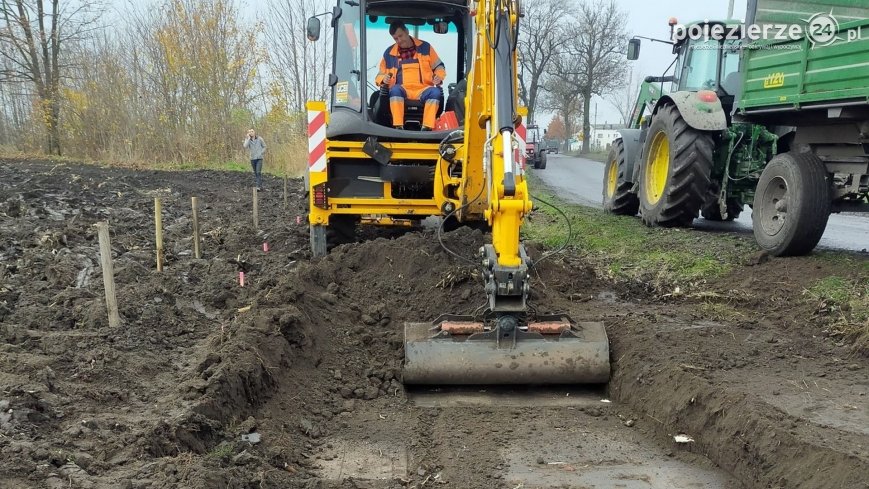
(346,92)
(379,40)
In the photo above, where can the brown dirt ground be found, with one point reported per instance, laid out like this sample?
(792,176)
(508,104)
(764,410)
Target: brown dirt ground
(315,361)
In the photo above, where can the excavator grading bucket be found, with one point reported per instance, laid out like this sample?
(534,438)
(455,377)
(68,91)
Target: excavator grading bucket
(458,350)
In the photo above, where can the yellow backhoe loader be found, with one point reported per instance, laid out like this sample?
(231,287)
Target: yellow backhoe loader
(365,171)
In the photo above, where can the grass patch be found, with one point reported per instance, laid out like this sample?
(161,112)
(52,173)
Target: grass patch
(847,301)
(220,452)
(625,249)
(717,311)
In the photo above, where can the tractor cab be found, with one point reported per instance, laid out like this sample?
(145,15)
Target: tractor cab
(710,63)
(359,107)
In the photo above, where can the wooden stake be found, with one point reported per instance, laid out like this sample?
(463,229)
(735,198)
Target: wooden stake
(255,209)
(194,203)
(286,198)
(158,224)
(108,273)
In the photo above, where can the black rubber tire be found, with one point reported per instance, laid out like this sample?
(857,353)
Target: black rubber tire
(622,202)
(688,175)
(792,203)
(341,230)
(542,161)
(712,212)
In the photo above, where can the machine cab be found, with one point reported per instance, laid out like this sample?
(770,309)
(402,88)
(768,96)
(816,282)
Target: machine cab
(708,64)
(359,107)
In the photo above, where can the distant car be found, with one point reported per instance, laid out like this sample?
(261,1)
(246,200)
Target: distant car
(552,146)
(535,148)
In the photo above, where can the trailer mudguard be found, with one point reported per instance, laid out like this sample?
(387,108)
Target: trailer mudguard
(633,147)
(699,114)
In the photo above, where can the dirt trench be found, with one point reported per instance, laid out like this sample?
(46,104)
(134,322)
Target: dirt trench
(306,358)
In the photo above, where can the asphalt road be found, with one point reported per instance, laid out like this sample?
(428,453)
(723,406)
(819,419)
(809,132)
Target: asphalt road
(580,180)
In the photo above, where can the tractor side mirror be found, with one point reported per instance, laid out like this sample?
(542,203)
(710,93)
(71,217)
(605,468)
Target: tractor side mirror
(633,49)
(441,27)
(313,29)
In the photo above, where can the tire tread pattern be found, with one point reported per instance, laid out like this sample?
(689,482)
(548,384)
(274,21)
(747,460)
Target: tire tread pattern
(690,170)
(623,202)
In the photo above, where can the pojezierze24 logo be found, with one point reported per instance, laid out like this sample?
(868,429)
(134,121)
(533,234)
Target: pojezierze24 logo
(821,29)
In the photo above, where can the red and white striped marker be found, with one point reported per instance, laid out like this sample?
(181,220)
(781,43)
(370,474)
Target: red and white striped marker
(241,278)
(317,140)
(521,133)
(265,247)
(298,220)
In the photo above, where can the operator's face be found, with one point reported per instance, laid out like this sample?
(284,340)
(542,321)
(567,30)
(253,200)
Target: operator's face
(402,38)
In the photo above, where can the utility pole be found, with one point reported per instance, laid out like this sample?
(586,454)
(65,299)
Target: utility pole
(730,10)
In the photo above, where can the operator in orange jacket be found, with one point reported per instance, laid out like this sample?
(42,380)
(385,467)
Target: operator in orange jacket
(411,69)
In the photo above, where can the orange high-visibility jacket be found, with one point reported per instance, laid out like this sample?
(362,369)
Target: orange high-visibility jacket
(414,74)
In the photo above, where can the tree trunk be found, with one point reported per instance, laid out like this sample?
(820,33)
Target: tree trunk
(532,102)
(54,126)
(586,125)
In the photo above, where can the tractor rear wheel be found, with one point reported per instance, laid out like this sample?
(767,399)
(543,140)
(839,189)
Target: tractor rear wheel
(677,164)
(791,204)
(617,196)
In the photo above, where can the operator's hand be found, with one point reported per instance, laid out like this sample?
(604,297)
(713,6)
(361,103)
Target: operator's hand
(436,80)
(387,78)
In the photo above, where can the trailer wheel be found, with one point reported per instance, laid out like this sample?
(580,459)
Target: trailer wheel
(677,164)
(791,204)
(712,211)
(617,196)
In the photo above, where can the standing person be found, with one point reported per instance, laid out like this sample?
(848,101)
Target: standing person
(411,69)
(257,147)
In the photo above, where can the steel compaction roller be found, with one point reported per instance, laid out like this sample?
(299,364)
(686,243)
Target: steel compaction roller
(459,350)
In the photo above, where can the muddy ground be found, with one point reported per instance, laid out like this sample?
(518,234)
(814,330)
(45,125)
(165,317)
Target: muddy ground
(294,379)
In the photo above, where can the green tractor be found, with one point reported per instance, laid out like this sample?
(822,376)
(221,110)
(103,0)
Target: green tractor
(671,163)
(720,139)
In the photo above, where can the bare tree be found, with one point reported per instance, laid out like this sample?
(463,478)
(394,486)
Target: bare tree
(541,36)
(562,97)
(625,99)
(298,65)
(32,36)
(597,43)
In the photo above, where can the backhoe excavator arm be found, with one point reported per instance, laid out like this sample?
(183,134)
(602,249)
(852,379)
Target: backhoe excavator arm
(507,344)
(490,142)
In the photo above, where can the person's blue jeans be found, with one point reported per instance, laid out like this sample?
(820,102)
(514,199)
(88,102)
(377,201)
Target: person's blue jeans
(257,166)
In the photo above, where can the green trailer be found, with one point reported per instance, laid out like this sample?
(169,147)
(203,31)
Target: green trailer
(813,91)
(778,124)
